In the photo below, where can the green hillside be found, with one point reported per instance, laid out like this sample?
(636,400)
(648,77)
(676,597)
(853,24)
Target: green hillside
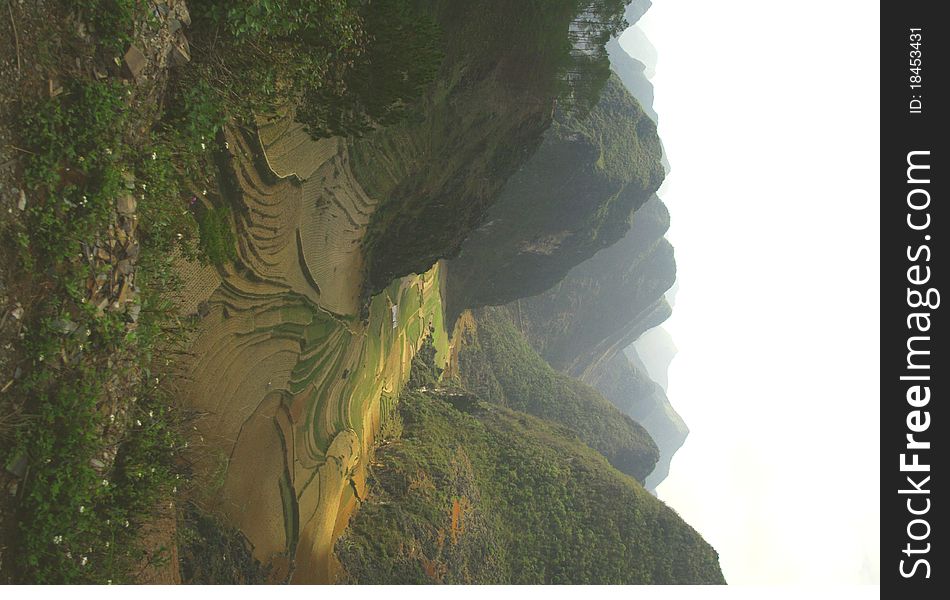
(472,492)
(499,365)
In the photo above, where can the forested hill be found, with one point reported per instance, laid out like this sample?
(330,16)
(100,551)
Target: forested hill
(497,364)
(505,69)
(607,302)
(463,491)
(573,198)
(625,382)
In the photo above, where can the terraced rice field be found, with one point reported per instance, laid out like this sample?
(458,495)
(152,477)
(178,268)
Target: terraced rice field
(290,382)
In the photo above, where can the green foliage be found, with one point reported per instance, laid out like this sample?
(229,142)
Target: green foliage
(501,367)
(261,56)
(496,496)
(217,236)
(76,521)
(111,20)
(75,144)
(212,552)
(401,58)
(99,464)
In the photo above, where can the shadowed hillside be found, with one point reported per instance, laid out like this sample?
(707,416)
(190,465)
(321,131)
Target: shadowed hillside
(573,198)
(604,304)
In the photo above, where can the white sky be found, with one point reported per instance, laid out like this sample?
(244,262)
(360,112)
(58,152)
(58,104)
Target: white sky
(769,112)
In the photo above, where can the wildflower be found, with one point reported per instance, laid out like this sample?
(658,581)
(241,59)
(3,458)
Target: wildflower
(150,413)
(126,524)
(204,192)
(84,561)
(138,423)
(175,490)
(108,582)
(107,544)
(203,146)
(42,358)
(57,539)
(105,483)
(82,509)
(112,416)
(154,156)
(156,383)
(180,236)
(69,555)
(109,151)
(226,145)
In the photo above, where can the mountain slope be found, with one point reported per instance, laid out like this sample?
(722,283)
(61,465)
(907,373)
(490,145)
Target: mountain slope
(499,366)
(571,199)
(607,302)
(476,493)
(628,386)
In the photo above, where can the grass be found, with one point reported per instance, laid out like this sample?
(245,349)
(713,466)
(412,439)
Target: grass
(217,235)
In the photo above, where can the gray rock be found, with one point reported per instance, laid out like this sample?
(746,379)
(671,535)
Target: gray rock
(135,62)
(16,466)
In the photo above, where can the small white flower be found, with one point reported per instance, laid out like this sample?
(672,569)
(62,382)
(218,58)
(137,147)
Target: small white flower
(105,483)
(84,561)
(175,490)
(204,192)
(226,145)
(150,413)
(203,146)
(82,509)
(126,524)
(108,582)
(57,539)
(42,358)
(156,383)
(138,423)
(111,417)
(69,555)
(107,544)
(109,151)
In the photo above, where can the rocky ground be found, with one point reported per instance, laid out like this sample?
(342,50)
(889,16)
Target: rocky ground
(42,43)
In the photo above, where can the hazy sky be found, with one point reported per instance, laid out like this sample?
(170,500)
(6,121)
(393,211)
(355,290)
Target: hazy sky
(769,113)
